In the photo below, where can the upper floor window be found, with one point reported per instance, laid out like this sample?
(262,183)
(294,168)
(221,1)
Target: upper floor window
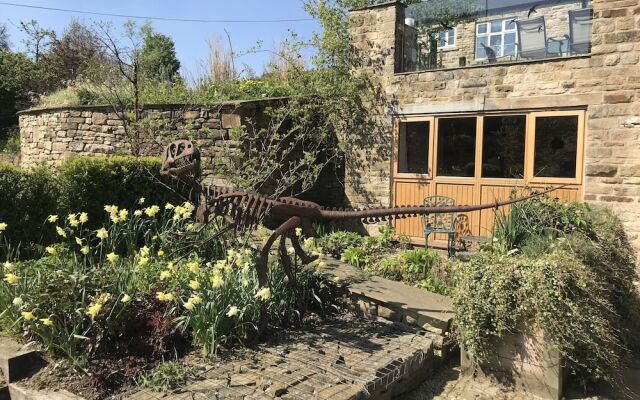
(496,39)
(447,38)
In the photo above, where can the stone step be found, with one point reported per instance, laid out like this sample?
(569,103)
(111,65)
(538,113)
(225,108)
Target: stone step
(19,392)
(16,361)
(391,300)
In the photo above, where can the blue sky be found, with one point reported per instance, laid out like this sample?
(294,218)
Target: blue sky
(190,38)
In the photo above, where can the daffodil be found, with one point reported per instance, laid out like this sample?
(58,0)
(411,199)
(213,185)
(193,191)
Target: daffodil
(165,275)
(245,282)
(114,218)
(152,211)
(84,217)
(52,218)
(189,305)
(171,266)
(233,311)
(125,298)
(144,251)
(46,321)
(84,250)
(28,315)
(94,309)
(195,285)
(111,209)
(154,238)
(51,250)
(168,206)
(123,214)
(194,267)
(298,231)
(143,261)
(11,279)
(195,299)
(102,234)
(216,280)
(73,220)
(18,302)
(8,266)
(264,294)
(112,257)
(165,296)
(78,241)
(137,213)
(61,232)
(160,253)
(141,200)
(3,226)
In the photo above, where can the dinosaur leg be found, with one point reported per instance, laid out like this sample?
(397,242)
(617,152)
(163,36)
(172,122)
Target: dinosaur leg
(263,257)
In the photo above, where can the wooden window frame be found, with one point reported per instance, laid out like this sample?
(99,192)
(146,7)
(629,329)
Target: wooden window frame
(396,143)
(531,142)
(531,115)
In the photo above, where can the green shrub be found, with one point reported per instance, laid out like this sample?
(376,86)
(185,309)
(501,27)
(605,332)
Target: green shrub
(26,199)
(168,377)
(88,183)
(565,269)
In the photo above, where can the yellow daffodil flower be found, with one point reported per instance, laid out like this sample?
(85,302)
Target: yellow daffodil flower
(61,232)
(152,211)
(298,232)
(195,299)
(84,217)
(160,253)
(78,241)
(195,285)
(125,298)
(189,305)
(137,213)
(194,267)
(141,200)
(46,321)
(18,302)
(28,316)
(168,206)
(123,214)
(264,294)
(3,226)
(84,250)
(8,266)
(94,309)
(165,275)
(52,218)
(11,279)
(143,261)
(102,234)
(233,311)
(216,280)
(51,250)
(112,257)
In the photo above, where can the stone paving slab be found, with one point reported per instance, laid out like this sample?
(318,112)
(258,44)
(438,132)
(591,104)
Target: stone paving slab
(343,359)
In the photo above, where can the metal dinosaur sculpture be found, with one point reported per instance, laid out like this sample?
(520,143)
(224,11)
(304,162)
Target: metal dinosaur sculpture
(245,210)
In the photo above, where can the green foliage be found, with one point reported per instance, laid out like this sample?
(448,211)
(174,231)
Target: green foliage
(81,295)
(168,377)
(27,197)
(158,60)
(89,183)
(567,270)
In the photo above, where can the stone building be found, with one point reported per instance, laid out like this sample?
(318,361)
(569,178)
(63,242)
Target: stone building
(474,129)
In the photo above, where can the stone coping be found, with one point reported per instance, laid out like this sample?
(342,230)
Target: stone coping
(501,64)
(108,108)
(379,5)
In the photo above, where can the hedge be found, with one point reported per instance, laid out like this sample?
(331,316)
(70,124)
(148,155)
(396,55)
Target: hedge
(83,184)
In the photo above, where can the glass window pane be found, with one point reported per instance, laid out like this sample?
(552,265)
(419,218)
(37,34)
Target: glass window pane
(496,40)
(456,146)
(451,37)
(413,147)
(496,26)
(482,28)
(480,52)
(510,24)
(509,50)
(503,146)
(509,38)
(556,147)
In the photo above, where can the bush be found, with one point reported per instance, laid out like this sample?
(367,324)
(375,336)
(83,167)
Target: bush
(88,183)
(565,269)
(26,199)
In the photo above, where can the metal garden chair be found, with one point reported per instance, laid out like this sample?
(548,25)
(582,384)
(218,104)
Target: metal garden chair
(441,222)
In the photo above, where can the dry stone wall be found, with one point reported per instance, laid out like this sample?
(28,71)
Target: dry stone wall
(52,135)
(606,84)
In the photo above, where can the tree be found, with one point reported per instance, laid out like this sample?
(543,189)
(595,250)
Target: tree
(39,40)
(75,53)
(4,37)
(158,61)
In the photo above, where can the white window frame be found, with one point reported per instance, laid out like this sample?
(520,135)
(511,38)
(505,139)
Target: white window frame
(452,35)
(502,34)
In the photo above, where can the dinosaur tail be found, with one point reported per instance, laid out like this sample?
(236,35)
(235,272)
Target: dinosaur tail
(386,213)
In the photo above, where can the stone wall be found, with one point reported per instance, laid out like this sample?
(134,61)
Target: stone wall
(54,134)
(606,84)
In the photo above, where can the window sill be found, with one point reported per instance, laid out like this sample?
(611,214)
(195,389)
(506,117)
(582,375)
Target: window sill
(498,64)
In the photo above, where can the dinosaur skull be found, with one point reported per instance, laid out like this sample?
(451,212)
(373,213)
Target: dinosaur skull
(181,158)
